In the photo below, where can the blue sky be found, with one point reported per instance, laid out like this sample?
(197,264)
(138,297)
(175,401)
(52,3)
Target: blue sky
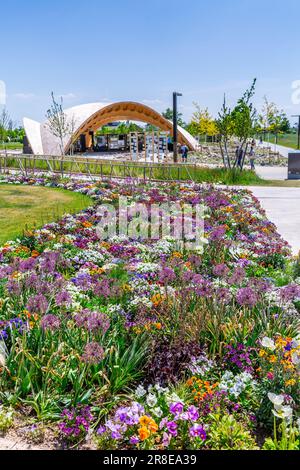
(136,50)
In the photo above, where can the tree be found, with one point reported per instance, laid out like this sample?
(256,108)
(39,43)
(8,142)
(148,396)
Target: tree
(58,122)
(202,122)
(272,119)
(239,122)
(244,118)
(5,121)
(225,128)
(168,114)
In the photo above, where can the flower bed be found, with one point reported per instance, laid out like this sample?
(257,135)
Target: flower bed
(131,343)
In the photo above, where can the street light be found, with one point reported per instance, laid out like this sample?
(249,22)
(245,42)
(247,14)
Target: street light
(175,133)
(298,116)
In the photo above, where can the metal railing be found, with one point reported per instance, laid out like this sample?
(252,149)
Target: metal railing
(94,167)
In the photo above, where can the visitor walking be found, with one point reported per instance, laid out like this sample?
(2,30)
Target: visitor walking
(184,153)
(252,155)
(239,153)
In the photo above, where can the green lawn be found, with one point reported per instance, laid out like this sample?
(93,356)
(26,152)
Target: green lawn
(11,146)
(27,207)
(287,140)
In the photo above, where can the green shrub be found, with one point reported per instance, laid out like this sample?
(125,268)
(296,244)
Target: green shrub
(227,433)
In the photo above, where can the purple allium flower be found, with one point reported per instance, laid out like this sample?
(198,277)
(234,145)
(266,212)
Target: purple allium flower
(221,270)
(198,431)
(238,276)
(93,353)
(63,298)
(247,296)
(92,320)
(50,322)
(290,292)
(48,261)
(166,275)
(217,233)
(38,304)
(223,295)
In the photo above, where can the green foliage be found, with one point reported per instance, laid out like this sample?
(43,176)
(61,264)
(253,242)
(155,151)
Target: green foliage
(272,119)
(239,122)
(287,437)
(202,123)
(226,433)
(168,114)
(6,419)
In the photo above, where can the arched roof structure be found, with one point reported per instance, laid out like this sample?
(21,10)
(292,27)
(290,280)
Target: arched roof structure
(90,117)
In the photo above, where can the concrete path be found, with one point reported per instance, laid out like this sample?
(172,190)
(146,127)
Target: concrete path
(284,151)
(282,206)
(272,172)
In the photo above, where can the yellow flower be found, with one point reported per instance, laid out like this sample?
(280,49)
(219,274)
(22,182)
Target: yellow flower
(272,358)
(176,254)
(290,382)
(157,299)
(144,420)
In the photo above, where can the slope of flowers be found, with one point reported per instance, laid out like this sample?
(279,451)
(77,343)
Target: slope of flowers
(141,344)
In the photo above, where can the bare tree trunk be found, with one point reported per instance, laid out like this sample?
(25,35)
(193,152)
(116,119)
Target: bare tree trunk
(222,153)
(227,155)
(244,156)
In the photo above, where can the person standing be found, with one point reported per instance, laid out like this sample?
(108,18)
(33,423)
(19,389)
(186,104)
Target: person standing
(184,153)
(252,155)
(240,155)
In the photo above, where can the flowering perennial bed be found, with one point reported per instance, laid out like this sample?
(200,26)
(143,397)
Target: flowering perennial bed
(130,343)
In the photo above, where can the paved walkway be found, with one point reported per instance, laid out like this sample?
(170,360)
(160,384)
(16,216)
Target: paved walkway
(284,151)
(282,206)
(272,172)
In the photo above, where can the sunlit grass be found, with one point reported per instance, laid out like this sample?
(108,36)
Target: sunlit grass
(27,207)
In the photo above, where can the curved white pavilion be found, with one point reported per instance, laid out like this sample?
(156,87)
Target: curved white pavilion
(88,118)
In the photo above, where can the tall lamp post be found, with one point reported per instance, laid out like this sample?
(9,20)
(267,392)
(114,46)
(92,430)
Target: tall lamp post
(175,131)
(298,116)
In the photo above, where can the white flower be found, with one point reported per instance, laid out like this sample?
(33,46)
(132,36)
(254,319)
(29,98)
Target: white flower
(268,343)
(157,411)
(284,412)
(151,400)
(140,391)
(3,353)
(296,357)
(277,400)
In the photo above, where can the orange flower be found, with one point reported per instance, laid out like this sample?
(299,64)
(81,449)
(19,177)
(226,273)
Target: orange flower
(272,358)
(157,299)
(87,224)
(144,420)
(144,433)
(152,426)
(35,254)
